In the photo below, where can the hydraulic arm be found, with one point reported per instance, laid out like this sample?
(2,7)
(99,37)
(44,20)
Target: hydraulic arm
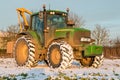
(21,13)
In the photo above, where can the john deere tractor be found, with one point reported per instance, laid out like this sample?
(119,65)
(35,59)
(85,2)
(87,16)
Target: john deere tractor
(49,35)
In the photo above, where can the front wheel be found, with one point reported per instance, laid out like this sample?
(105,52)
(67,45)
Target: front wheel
(86,62)
(98,60)
(59,55)
(92,61)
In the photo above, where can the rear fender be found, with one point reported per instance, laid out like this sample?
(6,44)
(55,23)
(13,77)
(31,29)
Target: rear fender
(31,34)
(56,40)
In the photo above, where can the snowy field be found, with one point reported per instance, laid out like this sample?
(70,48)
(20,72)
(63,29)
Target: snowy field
(110,70)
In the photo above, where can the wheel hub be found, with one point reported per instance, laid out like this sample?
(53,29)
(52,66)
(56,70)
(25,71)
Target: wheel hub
(87,61)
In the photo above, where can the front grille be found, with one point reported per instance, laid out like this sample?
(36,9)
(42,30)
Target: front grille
(78,35)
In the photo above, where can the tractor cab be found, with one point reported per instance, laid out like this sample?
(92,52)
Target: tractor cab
(49,19)
(46,22)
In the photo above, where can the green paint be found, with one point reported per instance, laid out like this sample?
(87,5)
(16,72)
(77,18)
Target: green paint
(71,29)
(62,32)
(93,50)
(33,34)
(36,38)
(80,29)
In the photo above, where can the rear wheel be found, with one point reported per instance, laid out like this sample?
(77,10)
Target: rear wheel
(24,51)
(60,55)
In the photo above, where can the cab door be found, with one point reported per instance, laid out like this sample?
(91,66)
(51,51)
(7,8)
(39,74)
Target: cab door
(38,26)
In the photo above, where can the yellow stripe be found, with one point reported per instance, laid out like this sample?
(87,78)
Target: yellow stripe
(65,30)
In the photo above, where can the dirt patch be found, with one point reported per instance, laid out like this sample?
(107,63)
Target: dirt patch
(6,55)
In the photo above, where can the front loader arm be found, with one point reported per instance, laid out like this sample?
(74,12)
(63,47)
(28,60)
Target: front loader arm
(21,13)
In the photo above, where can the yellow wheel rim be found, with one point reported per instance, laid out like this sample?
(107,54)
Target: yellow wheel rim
(86,61)
(55,56)
(21,52)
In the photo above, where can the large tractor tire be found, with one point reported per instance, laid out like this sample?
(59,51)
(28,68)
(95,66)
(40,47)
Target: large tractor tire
(59,55)
(98,60)
(92,61)
(24,51)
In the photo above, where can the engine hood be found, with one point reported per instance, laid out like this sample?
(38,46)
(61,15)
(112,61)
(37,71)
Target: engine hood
(63,33)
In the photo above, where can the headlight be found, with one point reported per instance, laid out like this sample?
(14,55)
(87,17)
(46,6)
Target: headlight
(52,13)
(64,14)
(85,39)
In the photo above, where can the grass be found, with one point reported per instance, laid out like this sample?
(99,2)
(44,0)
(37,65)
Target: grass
(24,75)
(8,78)
(90,76)
(116,74)
(14,77)
(63,76)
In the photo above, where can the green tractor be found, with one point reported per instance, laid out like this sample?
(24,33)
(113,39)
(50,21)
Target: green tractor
(52,37)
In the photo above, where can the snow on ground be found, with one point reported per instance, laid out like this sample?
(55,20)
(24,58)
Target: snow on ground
(108,71)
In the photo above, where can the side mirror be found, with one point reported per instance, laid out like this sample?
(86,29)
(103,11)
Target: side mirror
(70,23)
(41,15)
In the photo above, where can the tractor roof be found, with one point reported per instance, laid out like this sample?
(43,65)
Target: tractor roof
(57,11)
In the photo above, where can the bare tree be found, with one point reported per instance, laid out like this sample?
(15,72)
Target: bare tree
(101,35)
(76,19)
(117,42)
(9,34)
(12,31)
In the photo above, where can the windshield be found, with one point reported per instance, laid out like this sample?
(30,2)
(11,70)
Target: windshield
(57,21)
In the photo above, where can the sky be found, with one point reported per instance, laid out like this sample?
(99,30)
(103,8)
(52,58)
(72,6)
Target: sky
(103,12)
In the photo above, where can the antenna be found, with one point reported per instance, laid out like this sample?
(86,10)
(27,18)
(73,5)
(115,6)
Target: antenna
(49,6)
